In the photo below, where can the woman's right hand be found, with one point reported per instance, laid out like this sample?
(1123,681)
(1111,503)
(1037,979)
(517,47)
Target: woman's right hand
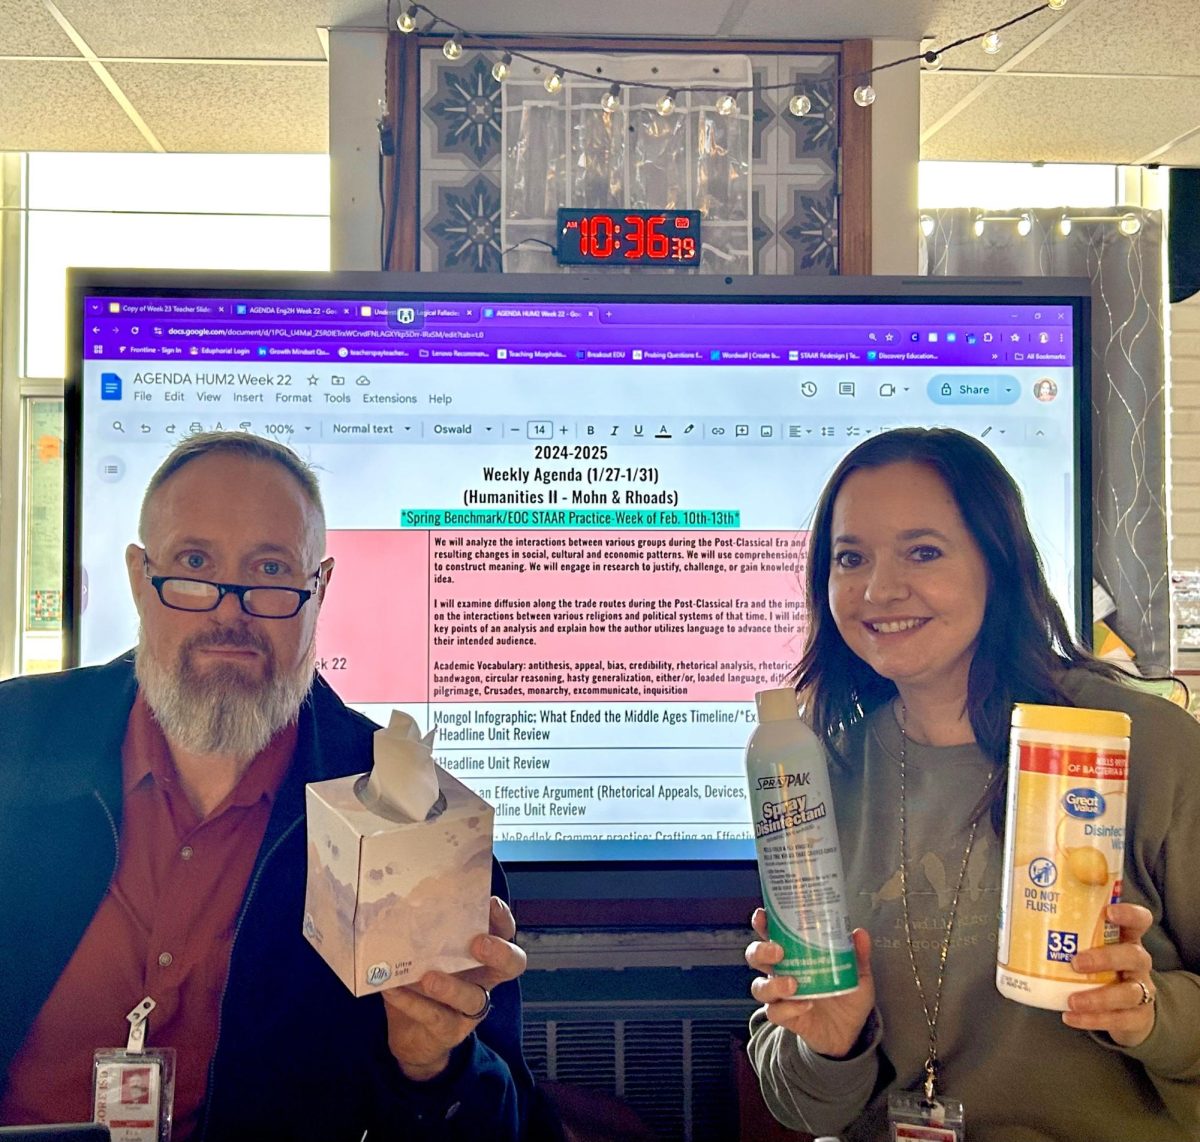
(829,1026)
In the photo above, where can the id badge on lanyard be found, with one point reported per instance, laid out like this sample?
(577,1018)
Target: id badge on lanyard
(133,1088)
(915,1118)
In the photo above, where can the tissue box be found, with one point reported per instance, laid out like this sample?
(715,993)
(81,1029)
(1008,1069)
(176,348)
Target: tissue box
(388,901)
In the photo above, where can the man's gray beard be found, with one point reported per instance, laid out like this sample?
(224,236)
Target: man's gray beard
(224,710)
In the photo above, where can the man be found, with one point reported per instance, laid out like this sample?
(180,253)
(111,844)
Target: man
(135,1086)
(152,843)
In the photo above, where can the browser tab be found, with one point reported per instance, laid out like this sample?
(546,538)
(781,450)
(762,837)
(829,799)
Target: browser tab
(406,315)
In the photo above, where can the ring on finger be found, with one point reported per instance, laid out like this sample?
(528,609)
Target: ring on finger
(484,1008)
(1147,997)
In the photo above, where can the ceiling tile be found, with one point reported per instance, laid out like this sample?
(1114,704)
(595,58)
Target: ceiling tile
(1185,154)
(29,30)
(613,18)
(265,29)
(778,19)
(1025,119)
(943,21)
(941,92)
(1152,37)
(228,108)
(60,107)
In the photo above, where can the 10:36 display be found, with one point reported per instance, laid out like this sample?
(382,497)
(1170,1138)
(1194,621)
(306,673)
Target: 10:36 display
(629,237)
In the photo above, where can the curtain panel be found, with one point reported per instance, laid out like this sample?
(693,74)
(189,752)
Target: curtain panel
(1121,254)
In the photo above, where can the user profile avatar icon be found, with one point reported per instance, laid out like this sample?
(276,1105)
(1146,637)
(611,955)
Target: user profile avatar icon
(1045,389)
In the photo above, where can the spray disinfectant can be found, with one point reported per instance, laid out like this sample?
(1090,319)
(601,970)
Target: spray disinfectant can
(1064,848)
(799,861)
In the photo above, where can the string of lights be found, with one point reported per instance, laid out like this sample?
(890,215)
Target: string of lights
(726,103)
(1128,223)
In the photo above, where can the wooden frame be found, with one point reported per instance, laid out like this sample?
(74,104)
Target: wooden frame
(402,169)
(854,222)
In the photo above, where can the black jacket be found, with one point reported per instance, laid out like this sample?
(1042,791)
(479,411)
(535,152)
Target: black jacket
(297,1056)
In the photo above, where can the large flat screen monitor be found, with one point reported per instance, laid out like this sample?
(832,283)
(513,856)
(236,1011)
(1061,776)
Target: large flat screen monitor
(569,512)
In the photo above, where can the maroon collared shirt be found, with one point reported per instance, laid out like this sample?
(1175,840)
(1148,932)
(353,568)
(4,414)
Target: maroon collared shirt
(164,929)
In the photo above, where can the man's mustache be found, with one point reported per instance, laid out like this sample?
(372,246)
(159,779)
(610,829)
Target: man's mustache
(228,638)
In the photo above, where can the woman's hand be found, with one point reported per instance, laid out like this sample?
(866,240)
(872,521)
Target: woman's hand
(829,1026)
(1124,1009)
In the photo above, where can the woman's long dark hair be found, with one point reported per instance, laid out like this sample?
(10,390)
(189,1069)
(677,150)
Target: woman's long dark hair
(1024,642)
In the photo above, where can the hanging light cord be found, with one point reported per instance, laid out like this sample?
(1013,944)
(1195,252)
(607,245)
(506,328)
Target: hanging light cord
(462,37)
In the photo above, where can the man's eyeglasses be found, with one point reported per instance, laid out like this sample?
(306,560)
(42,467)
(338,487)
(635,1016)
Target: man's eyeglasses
(203,595)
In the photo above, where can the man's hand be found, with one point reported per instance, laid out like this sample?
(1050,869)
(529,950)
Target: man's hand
(428,1019)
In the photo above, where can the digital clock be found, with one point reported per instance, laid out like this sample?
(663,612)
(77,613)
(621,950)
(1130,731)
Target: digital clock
(628,237)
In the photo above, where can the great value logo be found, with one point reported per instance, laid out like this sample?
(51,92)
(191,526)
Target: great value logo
(1085,804)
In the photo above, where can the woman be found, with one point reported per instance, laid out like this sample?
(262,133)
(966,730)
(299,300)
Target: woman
(930,617)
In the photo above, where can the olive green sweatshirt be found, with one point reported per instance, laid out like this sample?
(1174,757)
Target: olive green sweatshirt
(1021,1074)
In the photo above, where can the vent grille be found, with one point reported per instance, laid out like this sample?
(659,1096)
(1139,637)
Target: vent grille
(674,1072)
(584,1056)
(657,1074)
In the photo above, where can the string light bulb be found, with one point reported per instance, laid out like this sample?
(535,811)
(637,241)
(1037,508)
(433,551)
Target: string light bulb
(1064,225)
(1129,224)
(407,20)
(554,82)
(1057,5)
(666,102)
(864,95)
(799,105)
(991,42)
(610,101)
(452,49)
(927,225)
(1025,224)
(502,67)
(727,103)
(978,225)
(931,61)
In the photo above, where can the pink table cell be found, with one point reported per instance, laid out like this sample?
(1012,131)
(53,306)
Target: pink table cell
(373,634)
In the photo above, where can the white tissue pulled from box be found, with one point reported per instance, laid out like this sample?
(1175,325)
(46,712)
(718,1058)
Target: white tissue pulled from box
(403,783)
(399,866)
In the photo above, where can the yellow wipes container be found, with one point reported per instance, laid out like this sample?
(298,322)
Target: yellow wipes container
(1064,848)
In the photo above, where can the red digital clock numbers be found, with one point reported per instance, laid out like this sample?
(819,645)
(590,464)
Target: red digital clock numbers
(629,237)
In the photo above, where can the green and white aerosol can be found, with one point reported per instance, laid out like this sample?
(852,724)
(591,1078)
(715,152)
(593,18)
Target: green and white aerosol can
(799,861)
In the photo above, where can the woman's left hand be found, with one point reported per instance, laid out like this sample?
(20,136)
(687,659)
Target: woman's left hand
(1124,1009)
